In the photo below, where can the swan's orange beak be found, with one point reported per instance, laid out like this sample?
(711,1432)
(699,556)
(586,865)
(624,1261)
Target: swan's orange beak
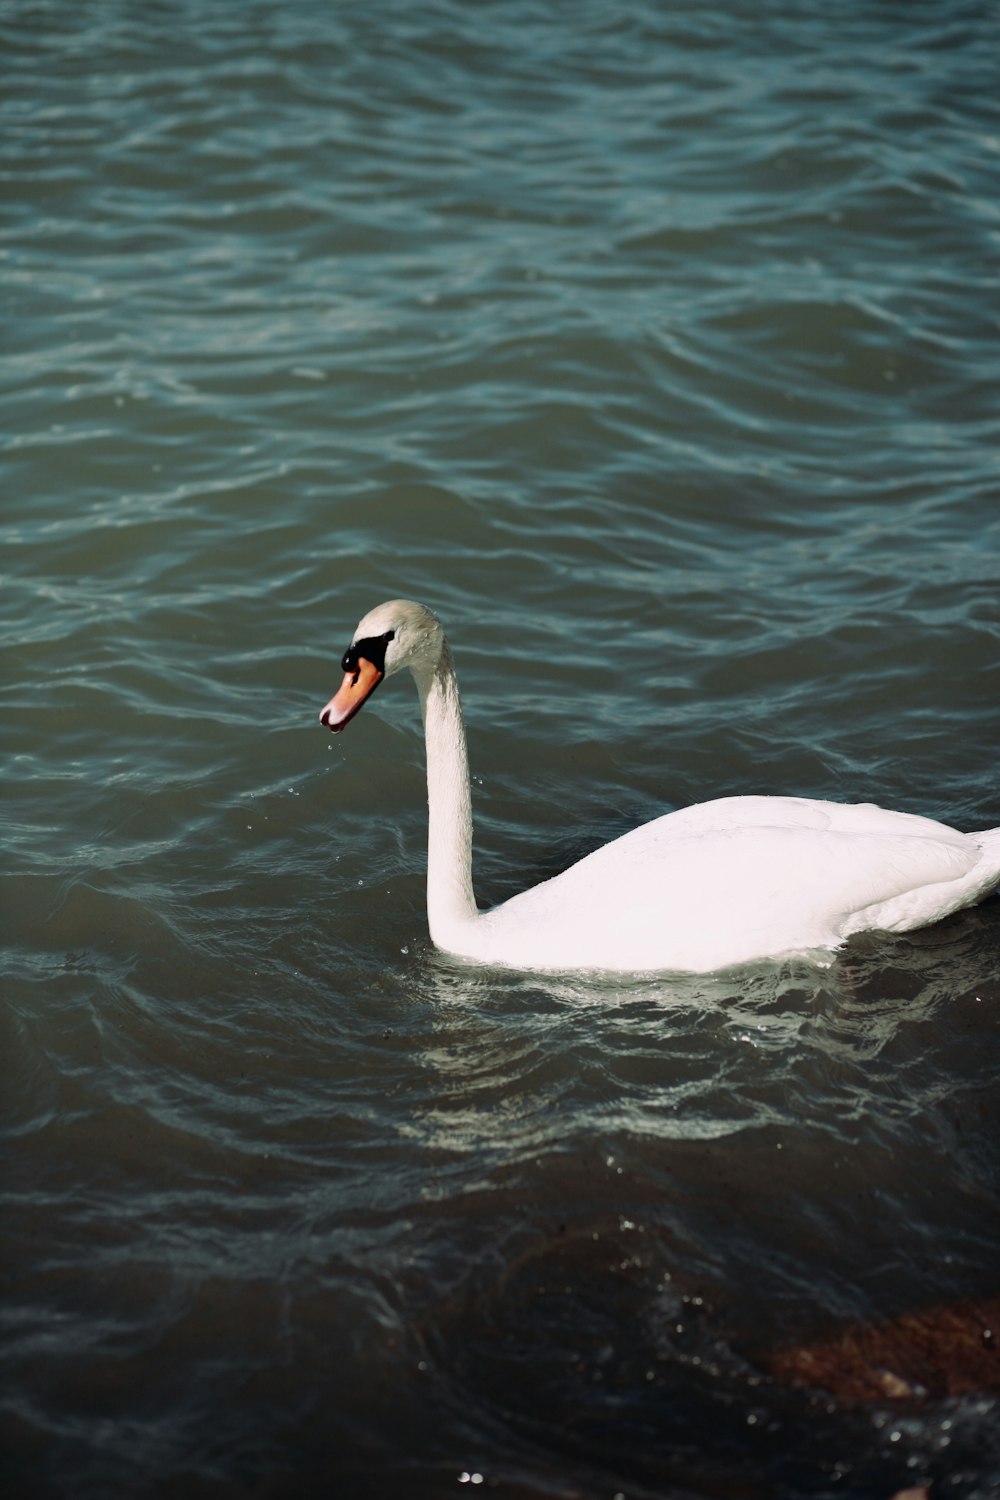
(355,688)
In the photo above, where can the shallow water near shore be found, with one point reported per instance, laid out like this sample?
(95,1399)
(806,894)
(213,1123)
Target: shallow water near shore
(656,350)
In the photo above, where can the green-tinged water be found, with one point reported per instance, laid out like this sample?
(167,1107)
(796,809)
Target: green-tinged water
(657,349)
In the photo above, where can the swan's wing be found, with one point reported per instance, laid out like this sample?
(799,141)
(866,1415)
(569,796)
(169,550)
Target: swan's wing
(824,874)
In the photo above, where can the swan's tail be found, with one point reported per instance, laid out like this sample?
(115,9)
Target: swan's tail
(989,842)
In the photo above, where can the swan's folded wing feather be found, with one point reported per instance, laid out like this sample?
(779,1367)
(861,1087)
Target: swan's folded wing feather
(827,873)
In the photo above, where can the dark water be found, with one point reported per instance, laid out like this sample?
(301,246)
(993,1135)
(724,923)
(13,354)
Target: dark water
(656,347)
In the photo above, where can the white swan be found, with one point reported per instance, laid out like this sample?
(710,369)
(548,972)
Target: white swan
(710,886)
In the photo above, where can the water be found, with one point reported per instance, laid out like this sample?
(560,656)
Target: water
(655,348)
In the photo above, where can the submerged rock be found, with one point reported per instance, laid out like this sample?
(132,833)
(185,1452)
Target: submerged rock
(947,1350)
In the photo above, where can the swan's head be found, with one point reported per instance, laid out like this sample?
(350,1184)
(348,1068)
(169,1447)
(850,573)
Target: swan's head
(391,636)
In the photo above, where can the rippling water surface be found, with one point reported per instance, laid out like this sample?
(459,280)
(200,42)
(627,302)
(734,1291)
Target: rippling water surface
(656,347)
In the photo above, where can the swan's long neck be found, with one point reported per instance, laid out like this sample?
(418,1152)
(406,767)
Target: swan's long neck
(451,905)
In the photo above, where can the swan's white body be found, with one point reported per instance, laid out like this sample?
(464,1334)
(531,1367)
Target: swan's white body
(705,888)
